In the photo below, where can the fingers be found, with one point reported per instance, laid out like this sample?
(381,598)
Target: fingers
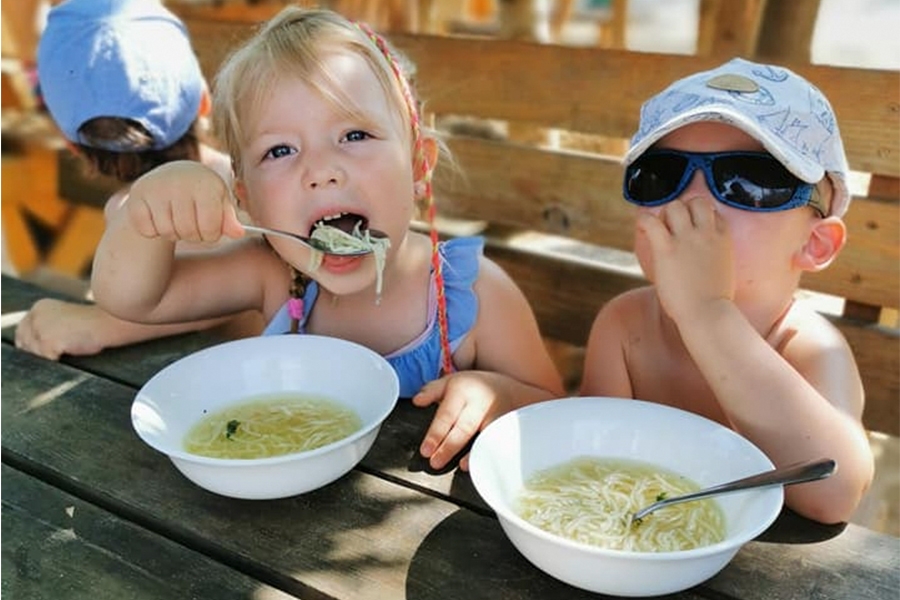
(467,424)
(203,219)
(441,425)
(141,216)
(183,201)
(29,339)
(678,219)
(459,417)
(464,462)
(703,214)
(652,227)
(431,392)
(231,226)
(676,216)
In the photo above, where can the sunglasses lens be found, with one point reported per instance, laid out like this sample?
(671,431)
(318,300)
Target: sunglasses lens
(754,181)
(653,177)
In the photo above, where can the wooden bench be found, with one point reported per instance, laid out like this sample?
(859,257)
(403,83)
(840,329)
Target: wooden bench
(550,204)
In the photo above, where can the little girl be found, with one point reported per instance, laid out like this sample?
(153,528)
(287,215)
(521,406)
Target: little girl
(322,128)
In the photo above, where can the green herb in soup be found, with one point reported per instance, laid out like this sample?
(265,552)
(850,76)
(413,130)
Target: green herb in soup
(231,428)
(591,500)
(271,425)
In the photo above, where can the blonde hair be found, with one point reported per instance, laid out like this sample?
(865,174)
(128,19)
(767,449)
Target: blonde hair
(293,43)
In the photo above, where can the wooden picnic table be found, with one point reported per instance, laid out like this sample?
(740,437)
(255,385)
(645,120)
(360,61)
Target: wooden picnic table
(90,511)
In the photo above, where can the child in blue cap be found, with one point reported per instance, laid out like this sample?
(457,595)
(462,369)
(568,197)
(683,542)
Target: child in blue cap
(739,178)
(122,83)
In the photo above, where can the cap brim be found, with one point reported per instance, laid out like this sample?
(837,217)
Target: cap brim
(803,168)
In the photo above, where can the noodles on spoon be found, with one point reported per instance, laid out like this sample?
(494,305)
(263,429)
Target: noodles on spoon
(339,241)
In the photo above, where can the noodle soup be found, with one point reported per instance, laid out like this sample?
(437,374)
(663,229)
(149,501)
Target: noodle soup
(271,425)
(591,500)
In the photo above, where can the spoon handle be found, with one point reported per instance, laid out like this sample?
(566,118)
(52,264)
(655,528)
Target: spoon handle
(797,473)
(285,234)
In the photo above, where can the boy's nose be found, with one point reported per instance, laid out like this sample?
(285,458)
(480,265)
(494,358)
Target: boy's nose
(696,187)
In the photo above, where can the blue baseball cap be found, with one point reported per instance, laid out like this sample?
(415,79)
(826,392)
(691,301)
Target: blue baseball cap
(788,115)
(119,58)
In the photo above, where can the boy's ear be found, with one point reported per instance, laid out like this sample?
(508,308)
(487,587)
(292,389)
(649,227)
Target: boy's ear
(826,238)
(73,148)
(205,103)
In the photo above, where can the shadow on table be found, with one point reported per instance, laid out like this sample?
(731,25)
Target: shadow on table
(461,544)
(791,528)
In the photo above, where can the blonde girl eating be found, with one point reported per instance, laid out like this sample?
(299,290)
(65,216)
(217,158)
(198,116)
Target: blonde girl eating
(322,129)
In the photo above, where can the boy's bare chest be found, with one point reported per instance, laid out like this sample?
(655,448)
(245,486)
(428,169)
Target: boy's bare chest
(667,375)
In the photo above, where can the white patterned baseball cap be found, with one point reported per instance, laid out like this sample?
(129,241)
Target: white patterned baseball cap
(119,58)
(788,115)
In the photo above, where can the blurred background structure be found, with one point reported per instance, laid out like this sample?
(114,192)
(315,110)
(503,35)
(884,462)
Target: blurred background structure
(49,236)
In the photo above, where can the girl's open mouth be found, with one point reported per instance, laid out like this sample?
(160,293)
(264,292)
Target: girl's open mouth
(344,221)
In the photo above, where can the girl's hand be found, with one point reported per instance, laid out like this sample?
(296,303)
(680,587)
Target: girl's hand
(182,200)
(691,256)
(469,401)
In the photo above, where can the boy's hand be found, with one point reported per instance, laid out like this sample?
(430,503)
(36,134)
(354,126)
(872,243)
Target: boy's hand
(692,257)
(53,328)
(182,200)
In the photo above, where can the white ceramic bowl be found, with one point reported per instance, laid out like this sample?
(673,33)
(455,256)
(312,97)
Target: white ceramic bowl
(179,395)
(546,434)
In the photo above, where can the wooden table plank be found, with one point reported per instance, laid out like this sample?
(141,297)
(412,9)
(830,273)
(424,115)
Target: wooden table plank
(844,567)
(356,538)
(58,546)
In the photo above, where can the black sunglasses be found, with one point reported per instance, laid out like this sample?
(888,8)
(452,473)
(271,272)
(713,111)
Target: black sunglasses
(753,181)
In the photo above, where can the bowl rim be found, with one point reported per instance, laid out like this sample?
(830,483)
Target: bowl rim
(280,458)
(505,512)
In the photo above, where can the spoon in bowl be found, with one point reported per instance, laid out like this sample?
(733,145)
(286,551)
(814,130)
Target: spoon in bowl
(796,473)
(317,244)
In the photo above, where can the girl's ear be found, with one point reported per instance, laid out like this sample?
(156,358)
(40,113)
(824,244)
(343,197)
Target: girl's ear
(425,163)
(826,238)
(240,194)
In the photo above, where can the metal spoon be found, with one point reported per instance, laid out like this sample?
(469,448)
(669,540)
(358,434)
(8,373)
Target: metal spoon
(317,244)
(797,473)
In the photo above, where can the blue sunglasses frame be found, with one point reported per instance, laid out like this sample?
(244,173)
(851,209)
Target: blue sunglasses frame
(803,193)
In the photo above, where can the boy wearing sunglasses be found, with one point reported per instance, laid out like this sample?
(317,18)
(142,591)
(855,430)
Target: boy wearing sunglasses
(739,178)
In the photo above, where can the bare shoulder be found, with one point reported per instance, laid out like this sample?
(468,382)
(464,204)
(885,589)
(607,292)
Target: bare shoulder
(494,280)
(633,306)
(804,328)
(820,352)
(807,339)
